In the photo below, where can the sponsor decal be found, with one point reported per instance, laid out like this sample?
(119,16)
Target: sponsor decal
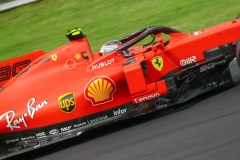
(189,60)
(54,57)
(102,64)
(119,111)
(26,145)
(15,149)
(146,98)
(207,66)
(67,102)
(18,67)
(97,119)
(14,122)
(54,131)
(41,134)
(70,64)
(64,129)
(43,140)
(100,90)
(77,56)
(79,125)
(28,138)
(7,71)
(157,63)
(12,140)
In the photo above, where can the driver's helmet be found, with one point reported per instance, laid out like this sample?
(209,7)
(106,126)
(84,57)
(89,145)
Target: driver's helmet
(109,46)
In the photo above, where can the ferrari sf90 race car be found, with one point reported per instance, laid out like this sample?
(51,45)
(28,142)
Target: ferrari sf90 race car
(46,98)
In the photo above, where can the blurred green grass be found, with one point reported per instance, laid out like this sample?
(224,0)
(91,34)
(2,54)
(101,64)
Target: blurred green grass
(42,25)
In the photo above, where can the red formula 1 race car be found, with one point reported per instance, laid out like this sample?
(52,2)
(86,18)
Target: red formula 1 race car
(55,96)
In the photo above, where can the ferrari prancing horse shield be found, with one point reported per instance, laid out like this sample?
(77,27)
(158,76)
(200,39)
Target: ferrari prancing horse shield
(157,63)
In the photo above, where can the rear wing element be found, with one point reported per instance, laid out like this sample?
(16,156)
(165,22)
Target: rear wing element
(10,68)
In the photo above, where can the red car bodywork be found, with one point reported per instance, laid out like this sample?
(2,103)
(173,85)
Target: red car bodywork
(40,90)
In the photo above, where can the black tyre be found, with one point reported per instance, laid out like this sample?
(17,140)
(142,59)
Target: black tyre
(238,53)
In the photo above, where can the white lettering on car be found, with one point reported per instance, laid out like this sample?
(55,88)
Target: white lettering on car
(102,64)
(97,119)
(54,131)
(207,67)
(147,98)
(64,129)
(27,138)
(79,125)
(189,60)
(13,122)
(12,140)
(119,111)
(41,134)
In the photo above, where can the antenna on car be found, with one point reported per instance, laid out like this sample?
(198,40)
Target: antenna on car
(190,30)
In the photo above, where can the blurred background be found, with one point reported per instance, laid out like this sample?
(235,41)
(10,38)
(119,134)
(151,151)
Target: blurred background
(43,24)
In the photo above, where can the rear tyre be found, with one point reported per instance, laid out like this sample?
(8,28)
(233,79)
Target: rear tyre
(238,53)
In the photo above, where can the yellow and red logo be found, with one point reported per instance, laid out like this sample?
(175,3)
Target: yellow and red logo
(77,56)
(54,57)
(157,63)
(100,90)
(67,102)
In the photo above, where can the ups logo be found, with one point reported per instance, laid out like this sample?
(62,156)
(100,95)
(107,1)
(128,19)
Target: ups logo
(67,102)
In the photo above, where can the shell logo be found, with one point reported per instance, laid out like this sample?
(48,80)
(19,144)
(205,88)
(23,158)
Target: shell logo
(100,90)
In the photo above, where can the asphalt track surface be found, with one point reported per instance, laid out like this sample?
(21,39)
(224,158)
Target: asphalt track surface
(208,129)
